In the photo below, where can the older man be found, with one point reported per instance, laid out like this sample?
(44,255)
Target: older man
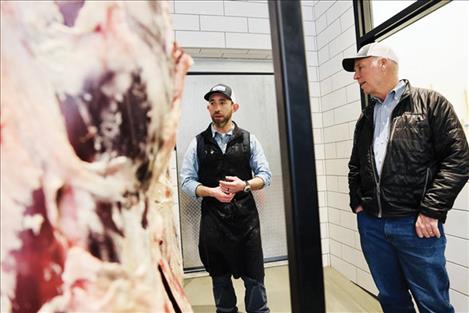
(409,161)
(218,166)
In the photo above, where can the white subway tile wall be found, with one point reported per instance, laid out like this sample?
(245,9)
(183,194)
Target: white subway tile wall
(314,92)
(346,268)
(365,281)
(344,40)
(258,25)
(332,183)
(337,10)
(223,23)
(309,28)
(246,9)
(248,41)
(328,34)
(459,300)
(340,107)
(321,7)
(307,11)
(457,223)
(200,39)
(199,7)
(459,277)
(330,67)
(319,150)
(186,22)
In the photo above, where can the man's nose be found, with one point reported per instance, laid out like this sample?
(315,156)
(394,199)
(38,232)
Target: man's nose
(355,76)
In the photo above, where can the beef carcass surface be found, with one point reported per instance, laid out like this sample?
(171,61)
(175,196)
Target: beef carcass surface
(89,109)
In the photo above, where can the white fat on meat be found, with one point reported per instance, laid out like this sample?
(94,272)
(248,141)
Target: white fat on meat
(49,190)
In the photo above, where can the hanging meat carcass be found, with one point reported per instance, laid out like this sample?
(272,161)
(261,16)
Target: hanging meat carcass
(89,109)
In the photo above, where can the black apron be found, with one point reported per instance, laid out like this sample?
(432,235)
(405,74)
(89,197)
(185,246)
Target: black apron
(229,241)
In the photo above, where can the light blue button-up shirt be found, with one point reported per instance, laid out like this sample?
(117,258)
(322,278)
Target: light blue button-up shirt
(190,165)
(382,119)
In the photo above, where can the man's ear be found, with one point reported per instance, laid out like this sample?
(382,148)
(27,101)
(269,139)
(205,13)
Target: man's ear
(235,107)
(383,63)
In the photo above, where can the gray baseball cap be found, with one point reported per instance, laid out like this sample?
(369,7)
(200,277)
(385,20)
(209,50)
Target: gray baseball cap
(375,49)
(223,89)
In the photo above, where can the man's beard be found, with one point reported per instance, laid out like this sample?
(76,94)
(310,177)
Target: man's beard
(222,123)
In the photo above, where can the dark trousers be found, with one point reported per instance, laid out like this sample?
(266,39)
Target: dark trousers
(255,299)
(400,262)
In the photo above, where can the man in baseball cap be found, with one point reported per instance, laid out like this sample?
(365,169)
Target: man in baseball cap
(409,160)
(375,49)
(222,165)
(376,70)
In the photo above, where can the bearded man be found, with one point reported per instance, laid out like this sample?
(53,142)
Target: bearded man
(223,164)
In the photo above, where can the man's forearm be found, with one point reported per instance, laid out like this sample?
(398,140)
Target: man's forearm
(203,191)
(256,183)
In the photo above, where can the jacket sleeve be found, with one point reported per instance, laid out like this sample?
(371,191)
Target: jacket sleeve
(452,159)
(354,170)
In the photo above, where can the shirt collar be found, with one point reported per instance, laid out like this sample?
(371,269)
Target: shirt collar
(215,131)
(395,93)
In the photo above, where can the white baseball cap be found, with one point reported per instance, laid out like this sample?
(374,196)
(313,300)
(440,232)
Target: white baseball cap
(375,49)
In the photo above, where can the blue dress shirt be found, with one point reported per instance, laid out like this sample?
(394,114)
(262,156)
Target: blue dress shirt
(382,119)
(190,165)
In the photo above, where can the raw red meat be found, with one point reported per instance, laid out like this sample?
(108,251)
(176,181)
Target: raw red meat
(89,110)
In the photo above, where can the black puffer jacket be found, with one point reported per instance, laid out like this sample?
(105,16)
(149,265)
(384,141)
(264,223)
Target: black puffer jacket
(426,163)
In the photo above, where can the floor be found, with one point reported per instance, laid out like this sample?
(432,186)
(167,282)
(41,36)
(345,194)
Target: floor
(341,294)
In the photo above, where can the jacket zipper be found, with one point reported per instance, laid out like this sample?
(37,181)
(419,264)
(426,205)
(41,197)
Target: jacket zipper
(426,182)
(392,133)
(377,181)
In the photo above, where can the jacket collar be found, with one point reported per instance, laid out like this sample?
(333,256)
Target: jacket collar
(368,111)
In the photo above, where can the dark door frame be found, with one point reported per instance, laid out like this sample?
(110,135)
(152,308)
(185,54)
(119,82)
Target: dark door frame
(298,161)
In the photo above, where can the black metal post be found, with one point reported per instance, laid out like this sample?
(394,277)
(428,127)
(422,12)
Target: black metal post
(298,161)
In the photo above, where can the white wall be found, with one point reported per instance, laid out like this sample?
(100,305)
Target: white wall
(340,108)
(457,251)
(220,31)
(309,31)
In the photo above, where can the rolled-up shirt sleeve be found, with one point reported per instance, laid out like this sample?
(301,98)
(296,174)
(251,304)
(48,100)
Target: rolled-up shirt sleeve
(258,162)
(189,171)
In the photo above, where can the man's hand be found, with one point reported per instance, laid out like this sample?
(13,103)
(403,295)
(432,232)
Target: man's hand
(427,227)
(358,209)
(222,196)
(232,184)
